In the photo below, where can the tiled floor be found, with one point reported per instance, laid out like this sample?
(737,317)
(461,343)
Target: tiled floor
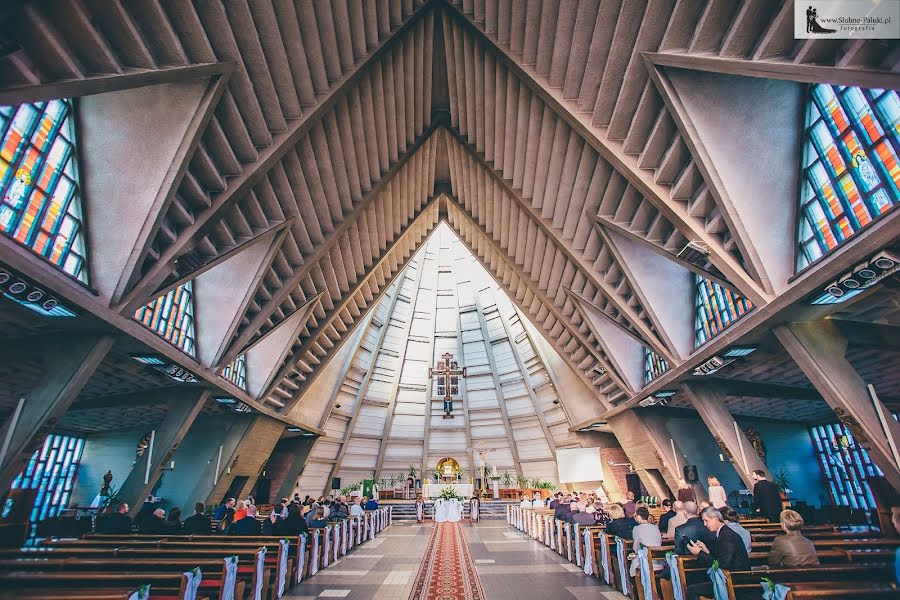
(511,567)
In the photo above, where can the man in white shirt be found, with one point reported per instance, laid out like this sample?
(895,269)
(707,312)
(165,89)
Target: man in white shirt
(537,502)
(525,503)
(356,510)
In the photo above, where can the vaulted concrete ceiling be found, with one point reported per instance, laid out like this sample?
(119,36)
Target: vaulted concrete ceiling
(542,132)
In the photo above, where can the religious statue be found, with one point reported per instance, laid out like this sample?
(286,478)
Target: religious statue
(107,479)
(755,439)
(447,372)
(142,446)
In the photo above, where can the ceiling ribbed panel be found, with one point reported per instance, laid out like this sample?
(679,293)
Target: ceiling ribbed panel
(331,322)
(563,327)
(530,246)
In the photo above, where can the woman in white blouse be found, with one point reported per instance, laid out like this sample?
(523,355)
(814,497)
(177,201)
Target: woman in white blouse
(717,496)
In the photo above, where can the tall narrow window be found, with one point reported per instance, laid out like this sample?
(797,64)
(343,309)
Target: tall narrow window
(850,175)
(236,372)
(845,465)
(716,309)
(172,317)
(654,365)
(41,205)
(51,471)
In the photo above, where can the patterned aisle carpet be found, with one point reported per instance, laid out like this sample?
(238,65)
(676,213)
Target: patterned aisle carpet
(447,572)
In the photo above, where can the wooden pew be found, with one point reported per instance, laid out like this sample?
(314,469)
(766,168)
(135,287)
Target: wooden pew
(169,585)
(850,580)
(212,583)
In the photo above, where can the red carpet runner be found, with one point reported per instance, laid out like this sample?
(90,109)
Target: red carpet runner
(447,572)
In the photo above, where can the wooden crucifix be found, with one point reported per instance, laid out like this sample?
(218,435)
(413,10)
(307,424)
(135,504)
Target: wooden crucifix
(448,373)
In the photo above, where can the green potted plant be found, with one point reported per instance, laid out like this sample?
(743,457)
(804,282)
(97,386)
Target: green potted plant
(412,471)
(507,479)
(521,481)
(783,482)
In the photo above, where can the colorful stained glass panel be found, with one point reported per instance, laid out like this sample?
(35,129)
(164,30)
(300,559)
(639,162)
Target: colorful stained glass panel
(717,308)
(41,206)
(236,372)
(849,170)
(654,365)
(171,316)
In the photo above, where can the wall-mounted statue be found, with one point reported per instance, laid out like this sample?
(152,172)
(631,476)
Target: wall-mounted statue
(755,439)
(107,480)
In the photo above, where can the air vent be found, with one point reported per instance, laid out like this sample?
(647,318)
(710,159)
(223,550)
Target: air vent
(694,252)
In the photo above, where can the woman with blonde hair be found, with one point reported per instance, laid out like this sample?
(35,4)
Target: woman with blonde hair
(792,549)
(717,496)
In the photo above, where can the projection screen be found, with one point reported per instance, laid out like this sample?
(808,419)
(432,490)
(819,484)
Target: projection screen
(579,464)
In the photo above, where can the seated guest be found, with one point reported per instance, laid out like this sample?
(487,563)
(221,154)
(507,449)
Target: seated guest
(680,518)
(282,508)
(222,509)
(692,530)
(685,492)
(703,505)
(645,533)
(601,517)
(198,523)
(792,549)
(563,508)
(580,516)
(356,510)
(733,520)
(146,510)
(248,525)
(554,501)
(630,505)
(294,524)
(115,523)
(341,508)
(526,501)
(319,518)
(664,518)
(727,548)
(537,502)
(224,526)
(619,524)
(155,524)
(272,523)
(717,496)
(240,510)
(173,522)
(372,504)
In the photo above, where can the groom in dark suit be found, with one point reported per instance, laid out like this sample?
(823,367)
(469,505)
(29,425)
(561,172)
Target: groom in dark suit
(767,497)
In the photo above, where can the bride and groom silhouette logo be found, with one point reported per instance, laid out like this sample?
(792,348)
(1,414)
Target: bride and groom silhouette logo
(812,26)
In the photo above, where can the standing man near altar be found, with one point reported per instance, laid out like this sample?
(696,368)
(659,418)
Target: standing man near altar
(474,508)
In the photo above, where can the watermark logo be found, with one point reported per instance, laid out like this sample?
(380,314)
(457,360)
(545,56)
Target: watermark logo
(847,19)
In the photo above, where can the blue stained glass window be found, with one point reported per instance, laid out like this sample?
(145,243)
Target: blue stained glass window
(849,172)
(236,372)
(41,204)
(51,471)
(716,309)
(171,316)
(654,365)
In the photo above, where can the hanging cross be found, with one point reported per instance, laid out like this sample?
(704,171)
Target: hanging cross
(447,372)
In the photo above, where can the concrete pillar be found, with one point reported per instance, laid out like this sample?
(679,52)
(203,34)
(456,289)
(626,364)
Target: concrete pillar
(710,404)
(183,409)
(74,362)
(647,448)
(819,349)
(300,447)
(248,458)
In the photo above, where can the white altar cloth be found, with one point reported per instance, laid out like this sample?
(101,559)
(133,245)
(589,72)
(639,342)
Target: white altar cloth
(447,511)
(433,490)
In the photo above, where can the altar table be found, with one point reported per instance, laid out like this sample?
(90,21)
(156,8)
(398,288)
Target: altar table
(433,490)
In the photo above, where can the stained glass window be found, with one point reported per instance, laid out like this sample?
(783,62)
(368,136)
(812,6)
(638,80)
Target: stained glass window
(654,365)
(846,465)
(850,175)
(41,206)
(51,471)
(236,372)
(716,309)
(172,317)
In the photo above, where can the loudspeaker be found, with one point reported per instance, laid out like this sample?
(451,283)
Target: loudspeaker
(335,483)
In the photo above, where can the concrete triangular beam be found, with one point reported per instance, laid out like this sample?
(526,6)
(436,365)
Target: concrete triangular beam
(131,171)
(224,288)
(665,288)
(265,356)
(624,351)
(745,133)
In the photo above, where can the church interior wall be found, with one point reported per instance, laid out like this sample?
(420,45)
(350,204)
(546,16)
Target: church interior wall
(113,451)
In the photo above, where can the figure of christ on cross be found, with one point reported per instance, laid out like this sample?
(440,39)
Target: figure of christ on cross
(448,373)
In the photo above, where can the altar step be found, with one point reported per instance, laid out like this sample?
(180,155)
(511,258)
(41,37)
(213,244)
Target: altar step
(406,511)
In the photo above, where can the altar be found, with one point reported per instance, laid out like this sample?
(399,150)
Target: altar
(433,490)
